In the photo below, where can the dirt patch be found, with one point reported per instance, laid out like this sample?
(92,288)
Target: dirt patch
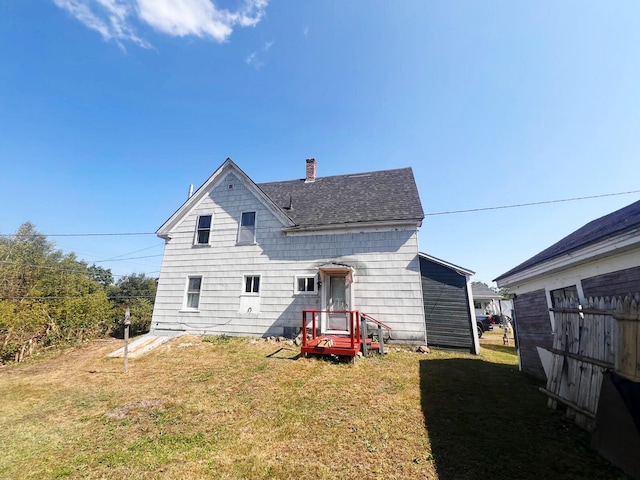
(124,410)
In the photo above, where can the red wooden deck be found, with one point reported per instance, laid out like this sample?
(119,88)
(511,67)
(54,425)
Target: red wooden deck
(341,346)
(347,345)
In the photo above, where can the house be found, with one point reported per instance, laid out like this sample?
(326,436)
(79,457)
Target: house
(243,258)
(448,304)
(600,259)
(485,300)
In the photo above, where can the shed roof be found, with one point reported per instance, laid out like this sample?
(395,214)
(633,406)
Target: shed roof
(387,195)
(460,270)
(602,228)
(482,291)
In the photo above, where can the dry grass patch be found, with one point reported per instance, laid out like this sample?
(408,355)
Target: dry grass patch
(242,408)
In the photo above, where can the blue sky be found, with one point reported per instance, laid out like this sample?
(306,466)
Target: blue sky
(109,109)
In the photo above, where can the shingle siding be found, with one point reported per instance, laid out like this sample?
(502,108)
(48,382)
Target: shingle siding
(533,327)
(446,306)
(620,283)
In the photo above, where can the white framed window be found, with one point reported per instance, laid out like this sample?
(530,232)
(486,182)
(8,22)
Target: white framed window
(192,296)
(247,228)
(203,229)
(251,284)
(305,285)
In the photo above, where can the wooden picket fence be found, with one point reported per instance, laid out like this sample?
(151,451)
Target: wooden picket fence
(588,340)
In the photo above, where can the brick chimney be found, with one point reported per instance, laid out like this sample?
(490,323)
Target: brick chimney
(311,170)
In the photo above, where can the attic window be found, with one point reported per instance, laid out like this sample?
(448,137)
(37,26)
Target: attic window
(203,229)
(247,228)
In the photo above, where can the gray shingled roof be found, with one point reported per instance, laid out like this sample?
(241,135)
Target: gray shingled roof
(482,291)
(612,224)
(387,195)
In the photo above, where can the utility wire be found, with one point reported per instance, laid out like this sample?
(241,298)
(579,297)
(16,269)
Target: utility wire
(449,212)
(124,259)
(530,204)
(72,297)
(64,270)
(75,234)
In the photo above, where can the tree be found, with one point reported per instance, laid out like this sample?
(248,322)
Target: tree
(47,297)
(138,292)
(101,275)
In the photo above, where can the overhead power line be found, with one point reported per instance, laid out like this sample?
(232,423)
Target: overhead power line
(432,214)
(124,259)
(74,297)
(529,204)
(123,234)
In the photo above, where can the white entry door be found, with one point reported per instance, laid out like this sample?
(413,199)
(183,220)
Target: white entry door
(337,298)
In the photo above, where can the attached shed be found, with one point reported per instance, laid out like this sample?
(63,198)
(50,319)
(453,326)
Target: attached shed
(448,305)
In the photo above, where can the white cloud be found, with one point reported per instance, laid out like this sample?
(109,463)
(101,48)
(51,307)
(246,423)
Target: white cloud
(113,19)
(254,59)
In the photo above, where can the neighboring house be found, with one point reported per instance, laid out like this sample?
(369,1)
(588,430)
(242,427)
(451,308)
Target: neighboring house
(485,300)
(246,259)
(600,259)
(449,316)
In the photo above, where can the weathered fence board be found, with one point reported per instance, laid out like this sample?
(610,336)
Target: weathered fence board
(589,339)
(580,343)
(627,358)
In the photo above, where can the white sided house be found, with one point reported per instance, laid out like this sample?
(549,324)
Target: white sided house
(600,259)
(246,259)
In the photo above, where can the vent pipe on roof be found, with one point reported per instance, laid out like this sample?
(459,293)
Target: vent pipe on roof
(190,190)
(311,170)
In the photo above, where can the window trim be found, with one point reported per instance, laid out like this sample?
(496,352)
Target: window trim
(240,228)
(314,281)
(187,292)
(244,285)
(198,230)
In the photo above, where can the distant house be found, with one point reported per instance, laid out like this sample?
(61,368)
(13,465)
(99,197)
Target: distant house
(448,305)
(602,258)
(246,259)
(485,300)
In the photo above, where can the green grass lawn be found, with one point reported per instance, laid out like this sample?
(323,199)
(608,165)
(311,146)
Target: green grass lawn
(252,409)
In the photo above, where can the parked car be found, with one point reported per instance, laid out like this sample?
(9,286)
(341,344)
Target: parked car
(483,324)
(498,319)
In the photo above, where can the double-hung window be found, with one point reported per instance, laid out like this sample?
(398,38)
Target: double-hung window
(192,300)
(203,229)
(252,284)
(247,229)
(305,285)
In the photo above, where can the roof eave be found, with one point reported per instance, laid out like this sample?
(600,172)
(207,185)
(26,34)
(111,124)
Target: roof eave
(354,225)
(458,269)
(611,245)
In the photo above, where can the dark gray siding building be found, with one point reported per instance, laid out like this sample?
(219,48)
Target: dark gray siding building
(447,307)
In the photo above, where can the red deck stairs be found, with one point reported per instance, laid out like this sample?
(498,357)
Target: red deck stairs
(343,345)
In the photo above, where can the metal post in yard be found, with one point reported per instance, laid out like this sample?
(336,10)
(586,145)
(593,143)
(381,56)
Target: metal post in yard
(363,332)
(127,324)
(380,340)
